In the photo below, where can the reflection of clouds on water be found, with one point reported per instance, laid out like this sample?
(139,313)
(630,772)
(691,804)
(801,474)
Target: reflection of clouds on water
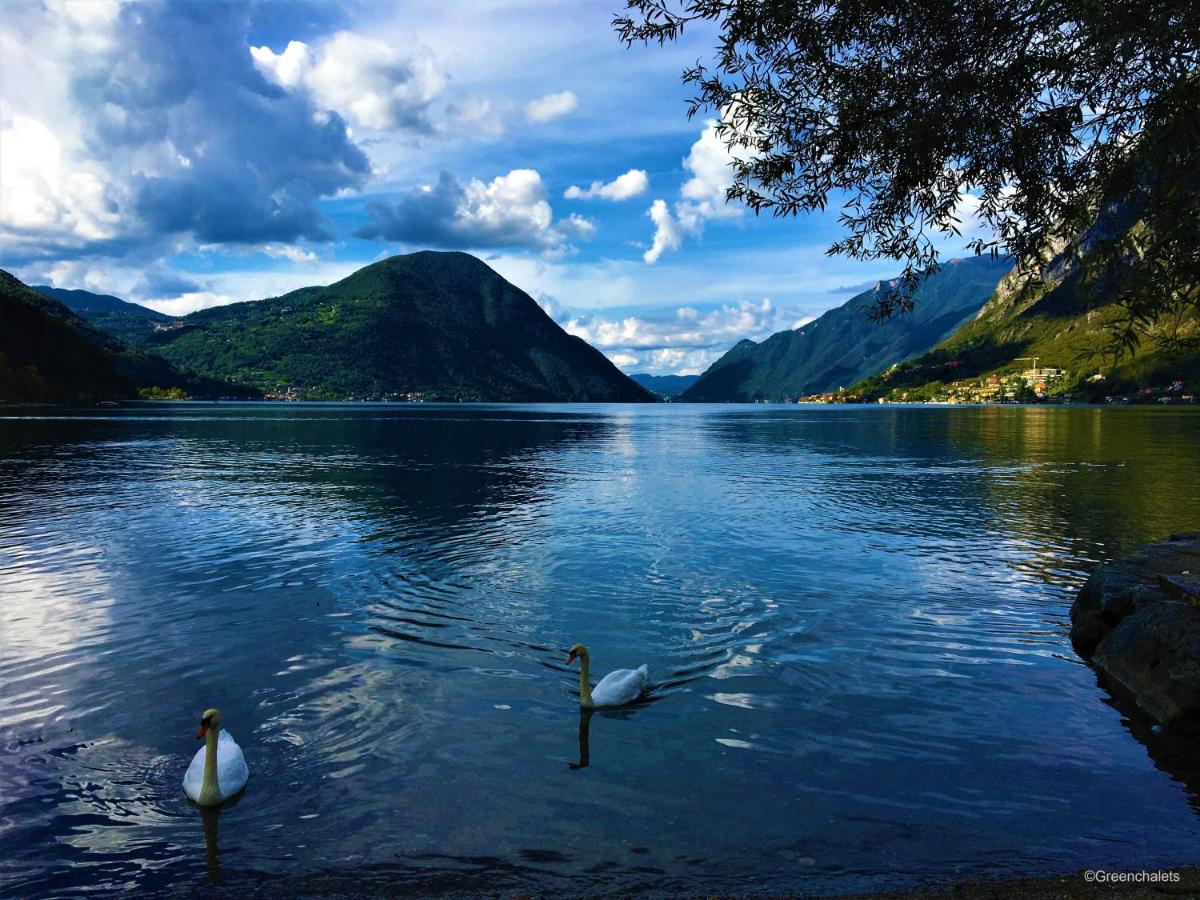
(56,601)
(742,701)
(332,726)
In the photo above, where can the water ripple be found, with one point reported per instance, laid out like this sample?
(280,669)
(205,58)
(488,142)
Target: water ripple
(855,623)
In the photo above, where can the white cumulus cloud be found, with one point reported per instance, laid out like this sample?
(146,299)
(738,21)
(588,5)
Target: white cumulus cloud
(632,184)
(685,341)
(509,211)
(44,190)
(551,106)
(579,226)
(369,82)
(702,196)
(668,234)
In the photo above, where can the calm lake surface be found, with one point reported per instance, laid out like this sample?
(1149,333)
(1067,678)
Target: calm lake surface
(855,620)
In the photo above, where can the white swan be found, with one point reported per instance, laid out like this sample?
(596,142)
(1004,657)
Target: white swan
(218,770)
(615,689)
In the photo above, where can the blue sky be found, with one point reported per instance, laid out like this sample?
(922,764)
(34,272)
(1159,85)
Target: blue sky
(183,155)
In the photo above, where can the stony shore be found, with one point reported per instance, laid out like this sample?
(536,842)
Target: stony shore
(1137,620)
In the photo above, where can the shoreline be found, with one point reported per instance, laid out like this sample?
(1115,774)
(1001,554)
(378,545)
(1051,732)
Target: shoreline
(273,401)
(1049,887)
(379,884)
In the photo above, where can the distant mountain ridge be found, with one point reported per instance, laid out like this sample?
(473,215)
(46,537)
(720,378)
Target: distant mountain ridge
(130,322)
(443,326)
(666,386)
(842,346)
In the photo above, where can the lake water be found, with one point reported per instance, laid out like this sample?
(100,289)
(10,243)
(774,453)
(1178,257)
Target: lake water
(855,621)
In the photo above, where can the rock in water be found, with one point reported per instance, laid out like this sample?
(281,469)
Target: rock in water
(1138,621)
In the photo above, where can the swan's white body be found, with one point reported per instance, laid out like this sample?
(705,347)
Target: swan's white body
(620,687)
(615,689)
(229,770)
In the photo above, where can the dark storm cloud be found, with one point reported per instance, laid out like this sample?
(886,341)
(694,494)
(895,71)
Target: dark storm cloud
(510,211)
(250,160)
(160,281)
(420,217)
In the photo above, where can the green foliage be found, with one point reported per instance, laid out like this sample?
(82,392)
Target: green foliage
(442,325)
(1052,114)
(50,354)
(161,393)
(842,346)
(1059,323)
(128,322)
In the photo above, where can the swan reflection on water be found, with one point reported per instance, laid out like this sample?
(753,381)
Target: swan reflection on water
(210,816)
(210,819)
(585,724)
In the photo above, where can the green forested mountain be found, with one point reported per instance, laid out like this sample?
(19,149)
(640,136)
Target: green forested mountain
(50,354)
(843,346)
(442,325)
(130,322)
(666,386)
(1060,323)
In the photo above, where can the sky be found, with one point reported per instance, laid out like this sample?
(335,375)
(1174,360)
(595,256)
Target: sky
(188,154)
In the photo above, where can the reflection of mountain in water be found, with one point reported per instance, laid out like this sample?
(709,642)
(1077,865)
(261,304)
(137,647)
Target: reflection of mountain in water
(1044,494)
(1090,475)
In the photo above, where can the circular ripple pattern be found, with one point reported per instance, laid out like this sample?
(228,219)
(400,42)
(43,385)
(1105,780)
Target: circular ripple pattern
(855,622)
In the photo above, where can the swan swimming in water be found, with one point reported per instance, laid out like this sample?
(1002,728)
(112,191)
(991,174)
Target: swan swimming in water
(615,689)
(218,770)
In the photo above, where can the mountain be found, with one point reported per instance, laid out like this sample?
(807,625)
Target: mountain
(843,346)
(441,325)
(1053,330)
(131,323)
(666,386)
(50,354)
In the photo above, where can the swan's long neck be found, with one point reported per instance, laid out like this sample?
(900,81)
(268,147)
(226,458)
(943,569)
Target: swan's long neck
(585,682)
(210,791)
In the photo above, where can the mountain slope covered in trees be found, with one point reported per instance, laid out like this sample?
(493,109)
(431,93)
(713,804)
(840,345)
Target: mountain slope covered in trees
(441,325)
(843,346)
(1064,325)
(48,354)
(130,322)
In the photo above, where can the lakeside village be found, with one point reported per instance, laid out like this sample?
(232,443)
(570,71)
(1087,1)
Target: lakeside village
(1037,384)
(296,394)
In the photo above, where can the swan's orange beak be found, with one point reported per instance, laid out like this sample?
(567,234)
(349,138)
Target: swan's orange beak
(570,658)
(202,730)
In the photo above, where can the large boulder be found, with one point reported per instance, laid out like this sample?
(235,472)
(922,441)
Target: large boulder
(1138,621)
